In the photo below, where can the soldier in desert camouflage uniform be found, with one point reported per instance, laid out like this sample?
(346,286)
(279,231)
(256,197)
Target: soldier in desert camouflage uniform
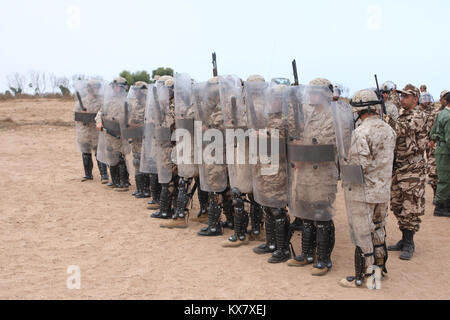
(162,94)
(111,149)
(91,96)
(133,133)
(408,184)
(366,181)
(213,174)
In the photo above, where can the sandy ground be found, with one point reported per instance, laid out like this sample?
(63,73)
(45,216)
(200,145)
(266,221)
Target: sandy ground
(49,220)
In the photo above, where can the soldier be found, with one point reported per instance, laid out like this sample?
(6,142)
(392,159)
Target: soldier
(408,184)
(267,120)
(390,101)
(88,102)
(212,170)
(187,169)
(111,149)
(366,180)
(133,132)
(164,115)
(239,168)
(313,173)
(440,134)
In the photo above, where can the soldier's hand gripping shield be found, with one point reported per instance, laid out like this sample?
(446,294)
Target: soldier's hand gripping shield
(236,135)
(212,170)
(267,119)
(148,153)
(184,123)
(312,153)
(163,134)
(111,145)
(88,101)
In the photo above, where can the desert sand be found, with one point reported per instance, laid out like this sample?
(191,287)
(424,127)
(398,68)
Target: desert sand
(50,220)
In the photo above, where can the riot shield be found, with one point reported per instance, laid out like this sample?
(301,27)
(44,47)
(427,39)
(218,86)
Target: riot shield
(163,134)
(111,145)
(237,140)
(184,123)
(312,153)
(148,152)
(212,170)
(88,101)
(266,116)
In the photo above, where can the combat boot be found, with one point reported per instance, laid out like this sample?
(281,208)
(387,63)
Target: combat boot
(227,204)
(164,202)
(324,248)
(145,185)
(180,204)
(441,210)
(138,180)
(308,246)
(360,277)
(256,219)
(399,245)
(155,190)
(115,177)
(214,227)
(282,253)
(202,215)
(103,168)
(408,245)
(123,176)
(239,237)
(88,165)
(270,245)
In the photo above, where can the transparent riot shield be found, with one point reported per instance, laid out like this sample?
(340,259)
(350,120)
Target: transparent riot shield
(148,152)
(88,101)
(184,124)
(267,119)
(213,171)
(236,135)
(111,145)
(312,153)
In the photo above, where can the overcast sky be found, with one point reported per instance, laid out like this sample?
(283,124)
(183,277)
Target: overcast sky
(346,41)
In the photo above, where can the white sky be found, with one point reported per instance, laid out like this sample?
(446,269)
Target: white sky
(346,41)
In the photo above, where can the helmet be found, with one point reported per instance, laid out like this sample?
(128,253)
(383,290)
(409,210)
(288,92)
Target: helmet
(255,78)
(94,84)
(426,98)
(165,78)
(388,86)
(321,86)
(119,81)
(365,100)
(141,85)
(168,83)
(443,94)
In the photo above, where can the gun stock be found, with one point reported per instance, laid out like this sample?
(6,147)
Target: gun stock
(214,62)
(380,96)
(294,68)
(80,101)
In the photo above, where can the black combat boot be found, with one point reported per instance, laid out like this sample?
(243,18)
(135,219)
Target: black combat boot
(88,165)
(256,220)
(155,190)
(203,199)
(270,246)
(282,253)
(180,206)
(139,187)
(164,202)
(123,174)
(309,235)
(408,245)
(227,205)
(145,186)
(399,245)
(325,246)
(240,221)
(115,177)
(103,168)
(214,227)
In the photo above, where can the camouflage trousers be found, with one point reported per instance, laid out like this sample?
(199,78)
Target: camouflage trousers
(408,199)
(86,137)
(367,223)
(136,148)
(431,169)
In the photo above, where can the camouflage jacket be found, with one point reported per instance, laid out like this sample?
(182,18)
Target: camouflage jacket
(137,114)
(372,147)
(409,149)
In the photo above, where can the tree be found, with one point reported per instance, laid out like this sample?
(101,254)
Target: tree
(16,83)
(38,82)
(161,71)
(134,77)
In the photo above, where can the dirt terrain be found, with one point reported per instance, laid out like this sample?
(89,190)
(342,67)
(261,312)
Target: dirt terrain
(49,220)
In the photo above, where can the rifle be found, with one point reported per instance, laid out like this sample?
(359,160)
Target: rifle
(234,111)
(214,62)
(380,96)
(126,114)
(80,101)
(294,68)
